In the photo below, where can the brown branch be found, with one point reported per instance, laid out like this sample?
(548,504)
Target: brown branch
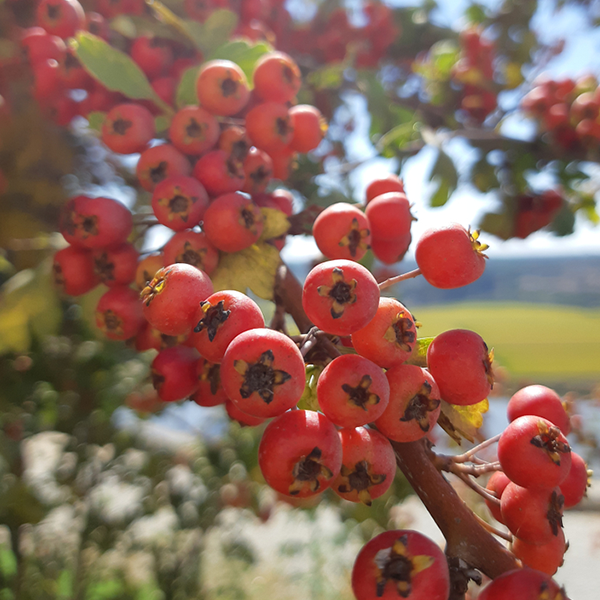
(466,538)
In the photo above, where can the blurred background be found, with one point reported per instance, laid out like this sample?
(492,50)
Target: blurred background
(105,493)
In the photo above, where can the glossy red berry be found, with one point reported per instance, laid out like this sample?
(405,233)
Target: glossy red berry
(233,222)
(116,265)
(342,231)
(73,271)
(174,373)
(128,128)
(540,401)
(522,584)
(496,485)
(172,298)
(221,318)
(40,46)
(300,453)
(450,256)
(263,372)
(222,88)
(383,185)
(309,127)
(352,391)
(545,557)
(401,564)
(152,55)
(193,130)
(179,202)
(244,419)
(258,170)
(534,453)
(390,337)
(270,127)
(368,465)
(219,173)
(210,387)
(414,405)
(390,252)
(461,365)
(276,77)
(575,485)
(389,216)
(340,296)
(147,268)
(119,313)
(159,163)
(60,17)
(193,248)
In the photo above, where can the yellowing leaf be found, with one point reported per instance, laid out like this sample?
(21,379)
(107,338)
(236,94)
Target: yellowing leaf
(419,354)
(253,268)
(462,421)
(308,400)
(276,223)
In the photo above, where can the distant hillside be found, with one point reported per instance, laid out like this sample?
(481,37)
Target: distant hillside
(571,281)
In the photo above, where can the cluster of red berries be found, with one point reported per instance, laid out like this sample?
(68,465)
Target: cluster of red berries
(342,230)
(540,477)
(535,211)
(567,110)
(475,71)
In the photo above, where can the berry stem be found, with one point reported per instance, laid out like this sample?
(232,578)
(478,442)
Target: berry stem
(478,488)
(468,455)
(398,278)
(494,530)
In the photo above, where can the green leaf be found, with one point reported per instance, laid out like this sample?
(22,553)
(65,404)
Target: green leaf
(419,353)
(161,124)
(483,176)
(444,55)
(564,221)
(209,35)
(253,268)
(445,175)
(8,563)
(64,585)
(186,94)
(500,225)
(276,223)
(95,120)
(396,138)
(475,14)
(308,400)
(462,421)
(243,53)
(111,67)
(327,77)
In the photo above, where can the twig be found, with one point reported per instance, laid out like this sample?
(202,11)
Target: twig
(467,456)
(494,530)
(398,278)
(478,488)
(310,341)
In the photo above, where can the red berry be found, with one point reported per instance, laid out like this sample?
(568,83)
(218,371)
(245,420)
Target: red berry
(368,465)
(258,170)
(172,298)
(522,584)
(233,222)
(222,88)
(352,391)
(540,401)
(119,313)
(574,486)
(73,271)
(383,185)
(174,373)
(390,252)
(390,337)
(300,453)
(269,127)
(450,256)
(461,365)
(263,372)
(496,485)
(276,77)
(389,216)
(60,17)
(235,414)
(309,127)
(221,318)
(398,564)
(179,202)
(153,55)
(147,268)
(128,128)
(414,405)
(342,231)
(543,557)
(210,387)
(219,173)
(193,248)
(340,296)
(116,265)
(193,130)
(160,162)
(534,453)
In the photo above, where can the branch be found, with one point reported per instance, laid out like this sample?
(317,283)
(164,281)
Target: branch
(465,536)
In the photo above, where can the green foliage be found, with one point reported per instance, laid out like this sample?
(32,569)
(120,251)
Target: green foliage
(445,175)
(243,53)
(210,35)
(186,94)
(113,68)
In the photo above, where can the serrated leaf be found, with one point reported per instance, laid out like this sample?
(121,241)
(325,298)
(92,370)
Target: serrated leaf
(419,353)
(209,35)
(111,67)
(186,90)
(276,223)
(445,175)
(253,268)
(96,119)
(462,421)
(243,53)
